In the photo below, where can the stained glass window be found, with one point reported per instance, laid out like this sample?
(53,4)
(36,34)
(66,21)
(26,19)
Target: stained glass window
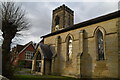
(100,45)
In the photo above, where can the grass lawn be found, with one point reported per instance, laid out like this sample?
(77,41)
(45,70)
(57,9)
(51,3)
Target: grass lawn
(38,77)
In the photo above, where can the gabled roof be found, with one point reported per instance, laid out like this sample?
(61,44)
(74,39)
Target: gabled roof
(86,23)
(46,50)
(19,48)
(26,45)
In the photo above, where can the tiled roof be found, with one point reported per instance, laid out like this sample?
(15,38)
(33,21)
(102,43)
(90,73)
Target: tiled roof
(46,51)
(19,48)
(26,45)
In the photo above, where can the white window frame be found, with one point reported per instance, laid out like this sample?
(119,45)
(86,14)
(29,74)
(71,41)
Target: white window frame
(28,55)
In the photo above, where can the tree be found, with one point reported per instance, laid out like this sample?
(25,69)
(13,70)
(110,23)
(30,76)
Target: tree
(13,20)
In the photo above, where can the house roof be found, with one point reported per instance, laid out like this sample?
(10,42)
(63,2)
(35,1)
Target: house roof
(26,45)
(46,51)
(86,23)
(19,48)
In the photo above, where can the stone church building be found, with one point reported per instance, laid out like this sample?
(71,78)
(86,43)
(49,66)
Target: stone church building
(87,49)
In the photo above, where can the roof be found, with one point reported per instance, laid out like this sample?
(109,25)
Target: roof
(86,23)
(27,45)
(46,51)
(19,48)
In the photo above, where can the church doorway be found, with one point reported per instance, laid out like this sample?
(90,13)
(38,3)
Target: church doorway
(38,66)
(38,63)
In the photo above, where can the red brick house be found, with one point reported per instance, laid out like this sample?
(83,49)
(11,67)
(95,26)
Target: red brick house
(23,55)
(15,51)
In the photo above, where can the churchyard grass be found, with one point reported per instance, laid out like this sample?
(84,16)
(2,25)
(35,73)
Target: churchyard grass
(38,77)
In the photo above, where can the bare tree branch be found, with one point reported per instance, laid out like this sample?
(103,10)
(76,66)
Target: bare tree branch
(13,21)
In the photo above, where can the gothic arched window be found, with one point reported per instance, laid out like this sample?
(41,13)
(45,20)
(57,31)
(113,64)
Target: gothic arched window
(100,45)
(69,53)
(57,20)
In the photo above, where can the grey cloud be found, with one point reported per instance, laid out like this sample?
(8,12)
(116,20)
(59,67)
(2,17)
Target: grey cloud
(89,10)
(40,15)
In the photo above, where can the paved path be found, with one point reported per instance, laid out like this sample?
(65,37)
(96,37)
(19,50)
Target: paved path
(24,71)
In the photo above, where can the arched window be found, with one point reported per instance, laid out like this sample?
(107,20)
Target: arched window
(100,45)
(57,20)
(70,46)
(38,56)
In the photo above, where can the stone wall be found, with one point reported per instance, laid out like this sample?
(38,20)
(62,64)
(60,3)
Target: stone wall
(47,67)
(66,16)
(84,61)
(118,27)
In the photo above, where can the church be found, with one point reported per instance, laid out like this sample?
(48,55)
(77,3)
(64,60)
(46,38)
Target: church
(88,49)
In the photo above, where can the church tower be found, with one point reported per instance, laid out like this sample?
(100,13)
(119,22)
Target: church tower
(62,17)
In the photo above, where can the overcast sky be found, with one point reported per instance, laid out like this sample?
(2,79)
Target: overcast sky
(39,15)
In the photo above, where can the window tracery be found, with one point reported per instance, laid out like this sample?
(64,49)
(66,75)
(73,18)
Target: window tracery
(100,45)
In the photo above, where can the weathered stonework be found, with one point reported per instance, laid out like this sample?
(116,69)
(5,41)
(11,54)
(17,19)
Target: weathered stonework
(66,17)
(84,57)
(75,49)
(118,28)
